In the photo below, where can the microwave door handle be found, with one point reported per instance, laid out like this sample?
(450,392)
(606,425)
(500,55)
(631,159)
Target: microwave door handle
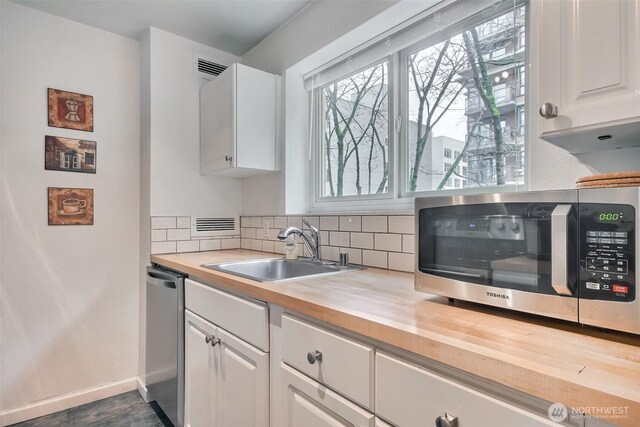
(559,235)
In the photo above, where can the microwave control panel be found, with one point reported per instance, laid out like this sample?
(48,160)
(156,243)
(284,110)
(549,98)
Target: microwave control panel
(607,252)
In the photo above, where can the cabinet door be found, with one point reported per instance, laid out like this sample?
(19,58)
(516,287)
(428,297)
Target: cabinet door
(310,404)
(217,123)
(589,63)
(200,372)
(243,378)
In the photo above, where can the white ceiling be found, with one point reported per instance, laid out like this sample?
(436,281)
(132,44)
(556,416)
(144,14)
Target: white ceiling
(234,26)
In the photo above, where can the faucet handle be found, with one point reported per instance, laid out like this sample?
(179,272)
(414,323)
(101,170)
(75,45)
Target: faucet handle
(311,227)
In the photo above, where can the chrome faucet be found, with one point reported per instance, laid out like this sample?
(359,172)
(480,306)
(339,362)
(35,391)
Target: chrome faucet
(311,242)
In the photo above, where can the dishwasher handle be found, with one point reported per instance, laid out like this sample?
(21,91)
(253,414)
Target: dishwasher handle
(156,279)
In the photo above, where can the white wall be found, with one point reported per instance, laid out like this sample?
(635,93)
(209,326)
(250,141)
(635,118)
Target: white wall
(177,188)
(304,43)
(314,27)
(69,294)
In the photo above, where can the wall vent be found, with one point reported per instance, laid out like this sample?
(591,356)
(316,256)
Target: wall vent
(205,67)
(218,226)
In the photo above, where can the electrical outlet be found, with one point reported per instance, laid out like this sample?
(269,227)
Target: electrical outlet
(265,229)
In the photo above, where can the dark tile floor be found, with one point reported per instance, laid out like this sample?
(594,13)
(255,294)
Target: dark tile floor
(124,410)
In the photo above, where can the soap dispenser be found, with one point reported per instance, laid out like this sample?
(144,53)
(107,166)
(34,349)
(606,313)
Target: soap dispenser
(291,248)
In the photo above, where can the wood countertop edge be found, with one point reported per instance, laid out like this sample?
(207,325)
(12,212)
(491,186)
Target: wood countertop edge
(573,389)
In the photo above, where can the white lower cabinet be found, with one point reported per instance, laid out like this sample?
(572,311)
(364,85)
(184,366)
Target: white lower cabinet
(310,404)
(407,395)
(200,371)
(226,378)
(243,383)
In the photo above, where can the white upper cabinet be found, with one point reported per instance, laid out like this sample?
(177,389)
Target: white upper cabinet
(589,73)
(238,123)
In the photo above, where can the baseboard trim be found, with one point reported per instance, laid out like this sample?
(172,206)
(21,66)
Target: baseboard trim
(142,389)
(66,401)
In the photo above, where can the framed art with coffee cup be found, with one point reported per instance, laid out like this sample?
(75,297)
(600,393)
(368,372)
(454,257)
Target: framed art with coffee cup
(70,110)
(70,206)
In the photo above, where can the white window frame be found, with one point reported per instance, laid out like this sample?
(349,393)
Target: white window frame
(398,198)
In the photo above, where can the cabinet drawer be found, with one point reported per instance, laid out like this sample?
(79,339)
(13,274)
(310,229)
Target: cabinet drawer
(242,317)
(407,395)
(309,403)
(346,366)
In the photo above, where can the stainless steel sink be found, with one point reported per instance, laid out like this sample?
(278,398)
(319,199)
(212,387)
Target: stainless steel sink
(276,270)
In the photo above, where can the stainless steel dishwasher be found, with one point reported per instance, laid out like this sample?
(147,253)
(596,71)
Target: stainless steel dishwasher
(164,368)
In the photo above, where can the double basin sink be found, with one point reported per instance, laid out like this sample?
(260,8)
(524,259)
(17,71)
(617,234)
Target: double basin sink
(276,270)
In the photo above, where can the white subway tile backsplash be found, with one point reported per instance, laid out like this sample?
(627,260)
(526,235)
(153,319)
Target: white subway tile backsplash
(408,243)
(383,241)
(256,245)
(362,240)
(374,258)
(158,235)
(388,242)
(401,262)
(179,234)
(278,247)
(267,222)
(280,222)
(158,222)
(294,221)
(330,253)
(339,238)
(183,222)
(374,223)
(210,245)
(163,247)
(403,224)
(230,243)
(329,223)
(267,246)
(355,255)
(244,244)
(350,223)
(188,246)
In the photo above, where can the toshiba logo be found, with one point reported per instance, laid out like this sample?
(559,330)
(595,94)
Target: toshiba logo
(494,295)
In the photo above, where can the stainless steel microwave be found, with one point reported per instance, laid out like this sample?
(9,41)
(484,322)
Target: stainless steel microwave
(567,254)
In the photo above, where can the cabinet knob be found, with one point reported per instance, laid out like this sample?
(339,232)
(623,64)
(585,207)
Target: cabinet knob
(312,357)
(210,339)
(447,421)
(228,158)
(549,110)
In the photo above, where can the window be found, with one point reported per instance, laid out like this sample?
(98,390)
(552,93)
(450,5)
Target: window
(521,119)
(89,158)
(75,164)
(521,80)
(355,143)
(437,101)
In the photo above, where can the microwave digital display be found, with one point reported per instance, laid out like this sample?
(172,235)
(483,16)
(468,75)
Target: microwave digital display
(609,217)
(473,224)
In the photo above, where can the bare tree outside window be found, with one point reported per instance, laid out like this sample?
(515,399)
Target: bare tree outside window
(355,134)
(469,82)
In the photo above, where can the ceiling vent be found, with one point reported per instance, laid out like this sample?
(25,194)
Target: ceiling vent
(206,68)
(219,226)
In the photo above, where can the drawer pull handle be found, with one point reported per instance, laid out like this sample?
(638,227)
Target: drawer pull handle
(548,110)
(447,421)
(210,339)
(312,357)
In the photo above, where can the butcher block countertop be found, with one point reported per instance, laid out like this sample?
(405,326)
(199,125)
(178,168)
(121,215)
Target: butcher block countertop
(555,361)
